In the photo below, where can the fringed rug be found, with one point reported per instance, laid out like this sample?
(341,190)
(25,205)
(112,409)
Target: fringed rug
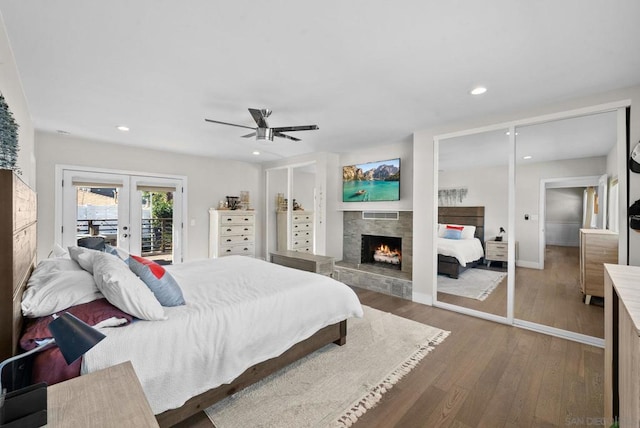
(335,385)
(472,283)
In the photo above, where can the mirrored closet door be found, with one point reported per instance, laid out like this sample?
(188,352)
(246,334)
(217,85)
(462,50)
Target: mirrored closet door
(291,199)
(473,235)
(565,171)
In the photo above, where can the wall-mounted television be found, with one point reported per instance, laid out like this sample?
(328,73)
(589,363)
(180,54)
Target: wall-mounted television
(372,181)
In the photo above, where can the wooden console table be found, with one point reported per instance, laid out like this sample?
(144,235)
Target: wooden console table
(111,397)
(304,261)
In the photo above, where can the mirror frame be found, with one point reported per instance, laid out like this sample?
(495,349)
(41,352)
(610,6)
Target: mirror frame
(618,106)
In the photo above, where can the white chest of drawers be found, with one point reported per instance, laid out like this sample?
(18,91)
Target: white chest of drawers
(231,232)
(301,231)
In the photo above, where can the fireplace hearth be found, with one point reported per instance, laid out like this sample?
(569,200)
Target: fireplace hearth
(384,251)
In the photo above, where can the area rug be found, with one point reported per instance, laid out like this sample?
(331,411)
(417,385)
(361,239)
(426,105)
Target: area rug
(472,283)
(335,385)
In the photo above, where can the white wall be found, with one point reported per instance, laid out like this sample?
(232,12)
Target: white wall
(425,198)
(487,187)
(209,180)
(11,89)
(528,201)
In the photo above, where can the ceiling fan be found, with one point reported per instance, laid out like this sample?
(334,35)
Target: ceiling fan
(262,131)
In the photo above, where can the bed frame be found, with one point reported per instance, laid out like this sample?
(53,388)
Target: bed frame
(18,249)
(473,216)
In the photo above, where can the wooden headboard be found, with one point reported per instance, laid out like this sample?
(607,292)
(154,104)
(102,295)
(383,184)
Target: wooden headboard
(18,250)
(473,216)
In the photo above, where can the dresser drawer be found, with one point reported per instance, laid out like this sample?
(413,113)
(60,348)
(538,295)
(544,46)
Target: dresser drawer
(301,234)
(301,243)
(236,230)
(235,239)
(302,218)
(236,219)
(301,226)
(303,250)
(243,250)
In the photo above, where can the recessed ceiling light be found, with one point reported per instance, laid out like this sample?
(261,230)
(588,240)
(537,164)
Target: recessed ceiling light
(478,90)
(255,152)
(509,133)
(122,128)
(527,157)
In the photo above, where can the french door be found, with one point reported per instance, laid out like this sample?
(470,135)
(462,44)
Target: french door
(138,213)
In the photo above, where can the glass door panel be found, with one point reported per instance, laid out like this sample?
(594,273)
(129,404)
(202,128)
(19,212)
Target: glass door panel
(156,211)
(95,209)
(563,171)
(473,184)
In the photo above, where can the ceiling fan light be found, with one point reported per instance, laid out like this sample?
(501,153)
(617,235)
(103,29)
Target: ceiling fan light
(263,134)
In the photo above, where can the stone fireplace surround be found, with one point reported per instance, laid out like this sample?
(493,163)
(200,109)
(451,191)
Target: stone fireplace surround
(380,279)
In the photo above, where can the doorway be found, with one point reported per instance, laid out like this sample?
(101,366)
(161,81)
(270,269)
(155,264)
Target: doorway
(141,214)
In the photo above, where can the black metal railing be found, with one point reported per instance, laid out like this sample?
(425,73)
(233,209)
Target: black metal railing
(156,233)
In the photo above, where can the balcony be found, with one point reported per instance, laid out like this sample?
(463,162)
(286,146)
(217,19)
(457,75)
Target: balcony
(156,233)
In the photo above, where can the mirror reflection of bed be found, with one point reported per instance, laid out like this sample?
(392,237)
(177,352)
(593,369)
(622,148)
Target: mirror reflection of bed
(465,278)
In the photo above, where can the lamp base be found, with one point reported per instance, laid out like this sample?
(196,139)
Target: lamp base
(25,408)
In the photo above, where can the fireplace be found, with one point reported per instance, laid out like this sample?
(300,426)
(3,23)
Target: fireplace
(384,251)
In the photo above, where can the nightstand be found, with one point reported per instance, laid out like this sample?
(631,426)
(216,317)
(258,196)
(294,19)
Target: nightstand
(496,251)
(112,397)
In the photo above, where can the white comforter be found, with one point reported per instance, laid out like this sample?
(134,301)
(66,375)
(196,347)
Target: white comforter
(465,250)
(240,311)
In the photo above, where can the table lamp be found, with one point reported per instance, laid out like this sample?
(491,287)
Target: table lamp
(27,407)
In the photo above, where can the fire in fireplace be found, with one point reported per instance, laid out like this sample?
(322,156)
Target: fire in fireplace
(383,250)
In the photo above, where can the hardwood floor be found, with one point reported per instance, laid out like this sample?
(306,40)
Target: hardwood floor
(550,297)
(486,375)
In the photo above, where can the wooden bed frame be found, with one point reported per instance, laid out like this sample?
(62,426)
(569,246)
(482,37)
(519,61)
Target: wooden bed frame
(473,216)
(18,247)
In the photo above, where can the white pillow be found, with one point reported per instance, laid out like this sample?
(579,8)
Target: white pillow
(57,284)
(58,252)
(468,232)
(124,289)
(84,257)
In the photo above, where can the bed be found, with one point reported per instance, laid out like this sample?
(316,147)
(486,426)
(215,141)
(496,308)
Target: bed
(235,289)
(449,264)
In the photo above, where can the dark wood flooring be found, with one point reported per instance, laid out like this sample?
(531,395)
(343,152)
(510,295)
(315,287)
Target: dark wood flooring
(485,375)
(550,297)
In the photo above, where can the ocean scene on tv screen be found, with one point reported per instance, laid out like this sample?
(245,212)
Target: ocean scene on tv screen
(373,181)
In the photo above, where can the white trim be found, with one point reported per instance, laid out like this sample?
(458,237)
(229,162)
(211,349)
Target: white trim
(511,226)
(528,264)
(567,114)
(422,298)
(472,312)
(557,332)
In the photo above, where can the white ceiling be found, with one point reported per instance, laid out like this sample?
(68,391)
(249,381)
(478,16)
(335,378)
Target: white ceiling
(366,72)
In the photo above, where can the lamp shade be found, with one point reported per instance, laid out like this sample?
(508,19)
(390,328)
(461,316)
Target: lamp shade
(73,336)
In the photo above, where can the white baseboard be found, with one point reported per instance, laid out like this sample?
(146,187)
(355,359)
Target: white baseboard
(425,299)
(526,264)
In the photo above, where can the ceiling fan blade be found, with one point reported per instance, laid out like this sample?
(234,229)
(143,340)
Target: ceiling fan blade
(227,123)
(253,134)
(278,134)
(259,117)
(296,128)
